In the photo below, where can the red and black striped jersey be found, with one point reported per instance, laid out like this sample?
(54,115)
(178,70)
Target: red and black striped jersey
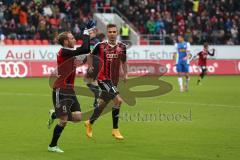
(110,58)
(202,61)
(66,68)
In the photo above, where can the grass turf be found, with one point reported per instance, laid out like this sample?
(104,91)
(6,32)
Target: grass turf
(202,124)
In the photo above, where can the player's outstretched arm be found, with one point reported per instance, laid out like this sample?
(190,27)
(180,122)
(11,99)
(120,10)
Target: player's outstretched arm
(213,52)
(85,48)
(90,62)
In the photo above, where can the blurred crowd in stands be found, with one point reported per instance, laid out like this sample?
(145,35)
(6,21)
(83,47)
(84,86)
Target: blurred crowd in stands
(42,19)
(215,21)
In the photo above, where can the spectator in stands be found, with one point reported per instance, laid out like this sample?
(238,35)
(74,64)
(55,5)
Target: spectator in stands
(160,26)
(124,32)
(2,37)
(235,33)
(150,26)
(195,4)
(2,7)
(42,19)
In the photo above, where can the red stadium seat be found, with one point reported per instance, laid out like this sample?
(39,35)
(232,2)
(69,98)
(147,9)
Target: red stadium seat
(45,42)
(143,42)
(79,42)
(8,42)
(23,42)
(30,42)
(157,43)
(16,42)
(37,42)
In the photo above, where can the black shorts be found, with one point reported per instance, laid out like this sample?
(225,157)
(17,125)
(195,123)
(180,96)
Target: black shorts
(203,68)
(109,91)
(65,102)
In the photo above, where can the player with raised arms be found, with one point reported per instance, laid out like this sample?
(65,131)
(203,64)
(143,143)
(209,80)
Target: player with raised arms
(202,61)
(66,105)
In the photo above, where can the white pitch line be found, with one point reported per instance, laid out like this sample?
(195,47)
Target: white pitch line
(23,94)
(199,104)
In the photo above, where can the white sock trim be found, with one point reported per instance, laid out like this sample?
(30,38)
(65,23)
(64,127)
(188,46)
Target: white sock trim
(180,82)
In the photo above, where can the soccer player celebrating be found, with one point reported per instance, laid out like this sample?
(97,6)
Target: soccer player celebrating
(202,61)
(67,107)
(182,57)
(112,55)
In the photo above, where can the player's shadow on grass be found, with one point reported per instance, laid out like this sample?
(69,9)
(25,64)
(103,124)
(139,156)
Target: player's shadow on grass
(129,96)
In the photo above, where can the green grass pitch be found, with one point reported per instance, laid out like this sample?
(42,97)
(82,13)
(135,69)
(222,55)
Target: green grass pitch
(202,124)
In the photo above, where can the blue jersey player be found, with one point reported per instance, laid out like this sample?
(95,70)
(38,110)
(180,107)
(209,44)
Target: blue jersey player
(182,57)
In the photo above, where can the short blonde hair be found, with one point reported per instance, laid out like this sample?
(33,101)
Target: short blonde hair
(62,37)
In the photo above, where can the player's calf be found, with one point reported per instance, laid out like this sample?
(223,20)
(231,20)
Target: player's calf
(115,117)
(98,110)
(180,82)
(96,113)
(187,83)
(56,135)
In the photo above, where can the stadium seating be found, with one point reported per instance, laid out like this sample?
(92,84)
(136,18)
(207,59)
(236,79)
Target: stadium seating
(218,24)
(16,42)
(8,42)
(30,42)
(45,42)
(23,42)
(37,42)
(143,42)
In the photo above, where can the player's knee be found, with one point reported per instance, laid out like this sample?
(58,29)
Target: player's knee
(119,101)
(63,123)
(101,102)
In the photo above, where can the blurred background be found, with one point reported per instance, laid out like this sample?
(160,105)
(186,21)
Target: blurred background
(141,21)
(149,28)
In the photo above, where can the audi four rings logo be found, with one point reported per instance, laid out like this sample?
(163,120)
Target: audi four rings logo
(13,69)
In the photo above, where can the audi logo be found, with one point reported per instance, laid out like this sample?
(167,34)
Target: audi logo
(13,69)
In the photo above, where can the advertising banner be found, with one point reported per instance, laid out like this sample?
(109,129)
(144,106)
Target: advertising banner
(164,52)
(14,69)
